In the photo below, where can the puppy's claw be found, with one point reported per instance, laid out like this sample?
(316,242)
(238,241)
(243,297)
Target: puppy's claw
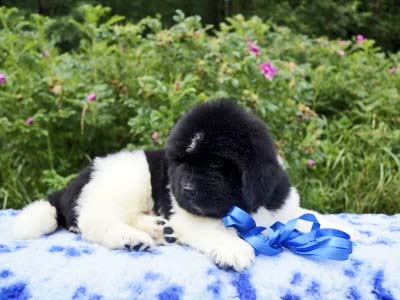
(137,246)
(224,267)
(168,230)
(170,239)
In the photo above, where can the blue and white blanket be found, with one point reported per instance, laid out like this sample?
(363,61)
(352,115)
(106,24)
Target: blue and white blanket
(63,266)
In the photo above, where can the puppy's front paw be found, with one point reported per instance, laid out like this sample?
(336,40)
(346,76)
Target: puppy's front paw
(235,253)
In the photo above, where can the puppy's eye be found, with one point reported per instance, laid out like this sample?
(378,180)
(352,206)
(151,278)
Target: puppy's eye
(216,164)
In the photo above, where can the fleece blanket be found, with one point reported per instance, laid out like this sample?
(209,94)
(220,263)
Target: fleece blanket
(63,266)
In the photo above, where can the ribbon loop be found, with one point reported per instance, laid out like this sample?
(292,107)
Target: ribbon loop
(239,219)
(325,243)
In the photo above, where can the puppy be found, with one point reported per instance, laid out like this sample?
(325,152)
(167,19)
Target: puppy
(218,155)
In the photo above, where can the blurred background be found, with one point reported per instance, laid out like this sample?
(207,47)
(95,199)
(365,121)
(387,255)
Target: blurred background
(80,79)
(377,19)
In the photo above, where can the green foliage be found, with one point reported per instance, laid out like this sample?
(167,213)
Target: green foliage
(340,111)
(376,19)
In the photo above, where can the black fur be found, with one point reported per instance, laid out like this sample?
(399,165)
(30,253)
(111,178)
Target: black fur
(218,155)
(65,200)
(159,182)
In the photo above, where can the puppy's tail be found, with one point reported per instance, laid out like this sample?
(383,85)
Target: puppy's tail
(35,220)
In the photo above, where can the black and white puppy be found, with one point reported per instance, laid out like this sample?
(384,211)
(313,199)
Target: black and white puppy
(218,155)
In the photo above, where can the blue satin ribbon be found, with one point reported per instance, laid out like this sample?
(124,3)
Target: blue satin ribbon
(325,243)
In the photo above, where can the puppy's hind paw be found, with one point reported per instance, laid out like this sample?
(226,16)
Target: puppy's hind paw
(137,247)
(158,228)
(118,236)
(138,242)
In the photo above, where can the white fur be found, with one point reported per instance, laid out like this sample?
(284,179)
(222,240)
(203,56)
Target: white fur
(35,220)
(209,236)
(281,161)
(197,137)
(223,244)
(119,191)
(291,210)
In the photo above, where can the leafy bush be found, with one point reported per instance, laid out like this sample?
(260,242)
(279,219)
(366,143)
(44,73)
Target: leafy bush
(376,19)
(332,106)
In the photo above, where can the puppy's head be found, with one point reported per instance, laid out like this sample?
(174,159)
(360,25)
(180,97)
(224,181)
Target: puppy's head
(218,156)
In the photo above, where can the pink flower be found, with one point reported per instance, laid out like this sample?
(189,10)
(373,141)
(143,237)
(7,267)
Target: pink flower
(342,42)
(253,49)
(29,121)
(2,78)
(177,85)
(360,39)
(155,136)
(91,97)
(393,70)
(340,52)
(268,69)
(45,53)
(310,163)
(292,66)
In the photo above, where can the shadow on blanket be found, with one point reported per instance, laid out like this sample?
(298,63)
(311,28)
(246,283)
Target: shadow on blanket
(63,266)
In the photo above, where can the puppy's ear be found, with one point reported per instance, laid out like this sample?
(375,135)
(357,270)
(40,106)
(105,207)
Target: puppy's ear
(259,180)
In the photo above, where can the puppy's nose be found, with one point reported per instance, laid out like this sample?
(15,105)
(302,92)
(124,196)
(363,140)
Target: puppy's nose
(188,189)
